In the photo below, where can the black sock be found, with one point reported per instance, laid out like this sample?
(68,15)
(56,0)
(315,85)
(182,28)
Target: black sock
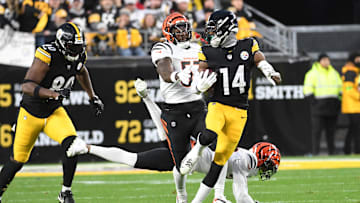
(7,174)
(69,164)
(213,175)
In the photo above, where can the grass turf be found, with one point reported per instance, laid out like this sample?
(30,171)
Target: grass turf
(330,185)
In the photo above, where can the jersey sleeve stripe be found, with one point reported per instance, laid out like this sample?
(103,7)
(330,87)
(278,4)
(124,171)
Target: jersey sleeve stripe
(255,47)
(201,56)
(252,161)
(40,54)
(169,47)
(158,46)
(44,52)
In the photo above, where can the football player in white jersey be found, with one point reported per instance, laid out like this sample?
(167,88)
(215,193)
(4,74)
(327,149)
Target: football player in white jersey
(262,159)
(176,62)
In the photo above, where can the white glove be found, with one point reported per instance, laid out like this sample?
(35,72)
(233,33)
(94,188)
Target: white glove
(205,80)
(276,75)
(141,87)
(183,76)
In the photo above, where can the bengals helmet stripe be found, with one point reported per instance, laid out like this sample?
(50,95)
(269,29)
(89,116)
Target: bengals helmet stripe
(268,156)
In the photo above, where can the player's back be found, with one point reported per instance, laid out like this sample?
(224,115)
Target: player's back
(61,74)
(180,58)
(233,68)
(244,162)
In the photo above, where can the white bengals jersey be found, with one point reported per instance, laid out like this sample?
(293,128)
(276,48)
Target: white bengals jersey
(175,93)
(242,161)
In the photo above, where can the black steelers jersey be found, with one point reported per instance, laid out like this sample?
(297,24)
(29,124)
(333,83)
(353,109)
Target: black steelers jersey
(62,74)
(233,71)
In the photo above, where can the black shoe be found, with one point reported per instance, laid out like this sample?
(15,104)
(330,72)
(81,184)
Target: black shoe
(66,197)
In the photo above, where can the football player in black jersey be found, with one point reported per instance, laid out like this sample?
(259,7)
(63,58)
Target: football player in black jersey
(49,80)
(227,110)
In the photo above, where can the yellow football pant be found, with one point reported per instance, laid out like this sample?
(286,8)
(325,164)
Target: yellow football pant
(228,123)
(57,126)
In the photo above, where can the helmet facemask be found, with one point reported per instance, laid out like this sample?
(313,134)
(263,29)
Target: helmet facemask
(69,45)
(267,169)
(181,33)
(218,31)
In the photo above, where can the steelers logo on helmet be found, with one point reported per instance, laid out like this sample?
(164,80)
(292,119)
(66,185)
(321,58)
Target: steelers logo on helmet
(177,29)
(70,41)
(219,26)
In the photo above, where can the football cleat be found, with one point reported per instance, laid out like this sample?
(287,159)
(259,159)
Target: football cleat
(66,197)
(141,87)
(181,199)
(189,162)
(221,200)
(77,147)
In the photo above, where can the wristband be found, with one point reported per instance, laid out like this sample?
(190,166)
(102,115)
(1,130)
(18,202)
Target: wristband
(36,91)
(173,76)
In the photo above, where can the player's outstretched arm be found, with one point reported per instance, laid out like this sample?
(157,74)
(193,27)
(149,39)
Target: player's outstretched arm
(266,68)
(240,188)
(84,79)
(33,77)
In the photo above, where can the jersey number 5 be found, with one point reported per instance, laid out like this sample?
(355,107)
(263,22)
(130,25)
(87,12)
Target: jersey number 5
(237,82)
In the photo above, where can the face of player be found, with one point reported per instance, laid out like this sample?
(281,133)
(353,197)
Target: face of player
(181,32)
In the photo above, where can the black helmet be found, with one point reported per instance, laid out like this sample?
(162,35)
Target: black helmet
(220,24)
(70,41)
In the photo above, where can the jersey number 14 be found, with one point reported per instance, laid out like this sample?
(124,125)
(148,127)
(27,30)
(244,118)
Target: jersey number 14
(237,82)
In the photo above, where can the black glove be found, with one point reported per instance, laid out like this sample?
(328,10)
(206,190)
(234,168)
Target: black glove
(64,93)
(97,104)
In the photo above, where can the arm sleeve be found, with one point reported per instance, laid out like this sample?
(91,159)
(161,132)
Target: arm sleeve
(160,51)
(349,86)
(240,188)
(309,86)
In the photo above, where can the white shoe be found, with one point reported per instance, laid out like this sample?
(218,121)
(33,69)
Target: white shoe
(141,87)
(181,199)
(77,147)
(221,200)
(189,161)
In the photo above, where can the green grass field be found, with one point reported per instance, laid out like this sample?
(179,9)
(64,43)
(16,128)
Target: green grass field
(330,185)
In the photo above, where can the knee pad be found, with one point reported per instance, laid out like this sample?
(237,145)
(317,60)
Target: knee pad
(207,137)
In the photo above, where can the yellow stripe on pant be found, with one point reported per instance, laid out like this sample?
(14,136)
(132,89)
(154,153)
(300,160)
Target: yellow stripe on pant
(57,126)
(228,123)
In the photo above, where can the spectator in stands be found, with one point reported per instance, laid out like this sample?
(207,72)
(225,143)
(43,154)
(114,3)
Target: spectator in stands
(182,6)
(9,13)
(149,26)
(128,38)
(245,20)
(322,87)
(101,43)
(34,16)
(106,13)
(350,105)
(60,18)
(136,15)
(77,13)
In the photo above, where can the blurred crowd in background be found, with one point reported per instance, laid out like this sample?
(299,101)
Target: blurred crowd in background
(116,27)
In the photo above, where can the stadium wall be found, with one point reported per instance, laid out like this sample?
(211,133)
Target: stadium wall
(277,114)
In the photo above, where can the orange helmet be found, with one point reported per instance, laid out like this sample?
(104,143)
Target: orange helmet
(176,28)
(268,156)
